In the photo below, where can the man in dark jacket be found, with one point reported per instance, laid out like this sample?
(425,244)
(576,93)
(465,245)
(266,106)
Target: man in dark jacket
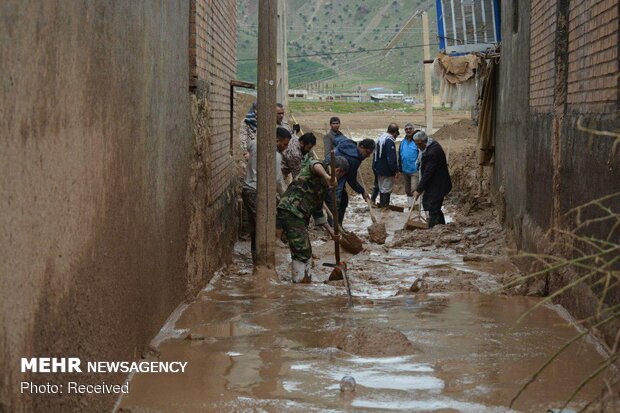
(331,135)
(385,164)
(354,154)
(435,181)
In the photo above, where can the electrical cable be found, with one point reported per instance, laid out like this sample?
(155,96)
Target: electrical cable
(352,52)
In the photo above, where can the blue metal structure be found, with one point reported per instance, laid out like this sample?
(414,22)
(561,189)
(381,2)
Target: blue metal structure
(466,26)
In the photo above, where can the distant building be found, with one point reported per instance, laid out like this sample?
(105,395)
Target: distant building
(379,97)
(298,93)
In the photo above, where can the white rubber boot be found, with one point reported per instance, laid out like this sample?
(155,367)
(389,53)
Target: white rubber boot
(299,271)
(308,269)
(410,202)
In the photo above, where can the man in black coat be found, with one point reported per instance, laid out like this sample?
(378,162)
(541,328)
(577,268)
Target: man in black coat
(435,181)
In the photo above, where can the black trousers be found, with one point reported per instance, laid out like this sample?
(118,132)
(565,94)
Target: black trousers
(433,206)
(375,189)
(343,203)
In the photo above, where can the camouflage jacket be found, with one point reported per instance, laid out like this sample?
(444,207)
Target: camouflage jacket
(306,194)
(292,158)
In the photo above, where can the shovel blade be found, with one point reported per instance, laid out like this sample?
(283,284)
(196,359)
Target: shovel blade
(415,224)
(338,272)
(351,243)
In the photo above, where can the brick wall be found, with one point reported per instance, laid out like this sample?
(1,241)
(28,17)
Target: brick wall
(212,55)
(545,165)
(543,24)
(593,56)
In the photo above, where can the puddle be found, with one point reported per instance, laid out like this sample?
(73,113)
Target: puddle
(272,352)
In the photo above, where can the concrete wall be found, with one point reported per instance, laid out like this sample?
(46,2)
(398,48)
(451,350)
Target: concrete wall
(99,184)
(512,133)
(565,53)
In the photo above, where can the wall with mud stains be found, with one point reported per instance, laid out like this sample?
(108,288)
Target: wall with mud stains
(545,164)
(95,186)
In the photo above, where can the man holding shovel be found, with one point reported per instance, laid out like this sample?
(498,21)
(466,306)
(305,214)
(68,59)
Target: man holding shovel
(355,155)
(435,181)
(304,198)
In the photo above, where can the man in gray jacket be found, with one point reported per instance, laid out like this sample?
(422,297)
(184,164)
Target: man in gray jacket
(248,192)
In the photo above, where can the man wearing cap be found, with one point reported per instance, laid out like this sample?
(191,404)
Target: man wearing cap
(304,199)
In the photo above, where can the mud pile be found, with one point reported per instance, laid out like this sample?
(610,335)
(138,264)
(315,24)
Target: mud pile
(463,129)
(475,236)
(372,341)
(377,233)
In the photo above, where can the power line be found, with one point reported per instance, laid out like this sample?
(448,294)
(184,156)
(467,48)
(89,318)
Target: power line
(353,51)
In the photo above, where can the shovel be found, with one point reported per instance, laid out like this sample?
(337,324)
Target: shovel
(340,267)
(418,223)
(376,232)
(349,241)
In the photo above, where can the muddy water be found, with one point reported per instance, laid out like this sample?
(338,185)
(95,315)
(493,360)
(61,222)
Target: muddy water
(274,346)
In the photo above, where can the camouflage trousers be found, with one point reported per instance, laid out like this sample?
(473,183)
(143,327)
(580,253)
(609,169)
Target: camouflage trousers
(296,231)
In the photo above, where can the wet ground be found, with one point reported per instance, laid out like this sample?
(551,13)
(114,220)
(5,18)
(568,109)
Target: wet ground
(267,345)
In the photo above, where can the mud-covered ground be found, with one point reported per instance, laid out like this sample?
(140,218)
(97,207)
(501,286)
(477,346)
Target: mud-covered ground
(431,328)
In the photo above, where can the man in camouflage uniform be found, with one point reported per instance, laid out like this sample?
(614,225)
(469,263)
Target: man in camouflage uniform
(304,198)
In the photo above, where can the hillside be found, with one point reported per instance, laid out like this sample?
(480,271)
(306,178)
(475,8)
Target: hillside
(352,31)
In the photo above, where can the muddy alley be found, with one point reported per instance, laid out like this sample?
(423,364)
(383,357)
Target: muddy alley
(430,331)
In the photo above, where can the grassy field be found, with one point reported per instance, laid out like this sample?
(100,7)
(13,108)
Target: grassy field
(355,107)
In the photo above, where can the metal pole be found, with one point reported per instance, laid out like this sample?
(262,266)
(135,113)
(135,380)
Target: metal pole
(428,90)
(464,23)
(484,22)
(265,140)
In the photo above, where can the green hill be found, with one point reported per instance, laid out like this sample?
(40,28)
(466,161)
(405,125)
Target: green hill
(335,43)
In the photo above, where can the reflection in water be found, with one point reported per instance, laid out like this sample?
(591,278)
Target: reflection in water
(273,355)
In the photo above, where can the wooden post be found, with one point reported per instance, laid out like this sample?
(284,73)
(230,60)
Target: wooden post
(428,87)
(282,55)
(265,139)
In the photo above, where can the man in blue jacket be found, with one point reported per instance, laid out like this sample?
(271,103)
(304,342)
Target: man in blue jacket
(408,157)
(385,164)
(354,154)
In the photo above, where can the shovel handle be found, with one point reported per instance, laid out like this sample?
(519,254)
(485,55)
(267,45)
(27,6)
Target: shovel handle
(335,205)
(372,214)
(410,212)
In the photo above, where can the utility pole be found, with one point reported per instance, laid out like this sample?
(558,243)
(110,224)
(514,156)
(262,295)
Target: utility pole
(428,91)
(282,54)
(265,140)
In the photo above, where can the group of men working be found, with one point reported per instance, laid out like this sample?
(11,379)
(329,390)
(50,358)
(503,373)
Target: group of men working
(419,160)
